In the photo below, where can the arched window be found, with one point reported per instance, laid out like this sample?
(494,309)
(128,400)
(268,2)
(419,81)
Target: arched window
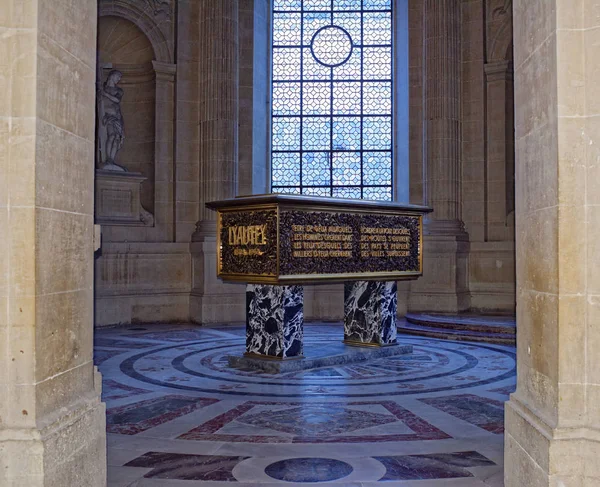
(332,98)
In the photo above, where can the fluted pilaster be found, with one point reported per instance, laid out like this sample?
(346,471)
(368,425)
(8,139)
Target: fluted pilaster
(218,88)
(442,108)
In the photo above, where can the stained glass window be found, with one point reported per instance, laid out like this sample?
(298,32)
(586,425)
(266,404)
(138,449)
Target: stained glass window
(332,98)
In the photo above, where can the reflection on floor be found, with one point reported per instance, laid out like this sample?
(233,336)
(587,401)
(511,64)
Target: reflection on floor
(177,415)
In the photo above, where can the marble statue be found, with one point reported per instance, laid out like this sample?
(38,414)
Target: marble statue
(110,122)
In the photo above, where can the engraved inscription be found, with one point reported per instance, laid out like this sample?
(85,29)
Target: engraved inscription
(249,242)
(320,241)
(117,202)
(384,242)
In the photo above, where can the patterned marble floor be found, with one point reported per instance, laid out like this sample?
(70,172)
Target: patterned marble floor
(178,416)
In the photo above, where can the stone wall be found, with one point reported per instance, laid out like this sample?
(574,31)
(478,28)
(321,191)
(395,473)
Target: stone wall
(211,140)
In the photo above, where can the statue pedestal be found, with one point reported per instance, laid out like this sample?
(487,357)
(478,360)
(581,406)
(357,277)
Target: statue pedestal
(118,199)
(274,321)
(370,313)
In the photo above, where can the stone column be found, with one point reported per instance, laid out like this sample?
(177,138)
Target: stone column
(218,78)
(500,149)
(52,423)
(444,285)
(164,173)
(219,115)
(370,310)
(553,419)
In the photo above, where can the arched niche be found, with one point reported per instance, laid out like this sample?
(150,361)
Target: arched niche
(123,46)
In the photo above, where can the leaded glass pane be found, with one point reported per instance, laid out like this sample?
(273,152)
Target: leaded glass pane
(332,98)
(286,169)
(346,168)
(315,169)
(287,4)
(286,64)
(346,4)
(286,98)
(346,133)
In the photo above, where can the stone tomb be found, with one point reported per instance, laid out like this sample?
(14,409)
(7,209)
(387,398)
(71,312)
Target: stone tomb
(277,243)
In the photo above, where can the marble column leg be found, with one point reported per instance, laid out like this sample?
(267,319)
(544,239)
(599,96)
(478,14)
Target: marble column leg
(274,321)
(370,313)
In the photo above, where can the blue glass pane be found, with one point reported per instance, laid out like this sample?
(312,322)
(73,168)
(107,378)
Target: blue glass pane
(377,28)
(383,193)
(346,169)
(377,168)
(286,98)
(316,169)
(286,169)
(317,4)
(346,133)
(377,4)
(287,4)
(317,98)
(332,98)
(377,98)
(286,64)
(346,4)
(317,191)
(346,98)
(286,29)
(351,23)
(312,70)
(312,23)
(352,193)
(350,69)
(377,63)
(286,133)
(287,190)
(316,133)
(377,133)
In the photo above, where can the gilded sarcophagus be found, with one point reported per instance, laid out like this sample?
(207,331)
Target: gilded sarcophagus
(289,239)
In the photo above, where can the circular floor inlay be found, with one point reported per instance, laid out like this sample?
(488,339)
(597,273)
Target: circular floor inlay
(331,46)
(308,470)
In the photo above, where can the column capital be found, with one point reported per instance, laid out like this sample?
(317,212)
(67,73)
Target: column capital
(499,70)
(165,71)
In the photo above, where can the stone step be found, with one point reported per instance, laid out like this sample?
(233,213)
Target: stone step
(485,324)
(502,335)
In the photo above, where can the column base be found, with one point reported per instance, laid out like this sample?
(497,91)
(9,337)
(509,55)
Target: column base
(370,313)
(443,288)
(69,451)
(538,455)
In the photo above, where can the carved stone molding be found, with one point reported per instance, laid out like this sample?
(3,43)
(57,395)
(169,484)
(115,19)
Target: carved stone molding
(160,8)
(499,70)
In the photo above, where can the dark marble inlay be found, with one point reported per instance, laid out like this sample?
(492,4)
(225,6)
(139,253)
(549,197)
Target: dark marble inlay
(101,356)
(116,343)
(179,466)
(140,416)
(317,420)
(301,429)
(370,312)
(112,390)
(486,413)
(432,466)
(308,470)
(274,320)
(173,336)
